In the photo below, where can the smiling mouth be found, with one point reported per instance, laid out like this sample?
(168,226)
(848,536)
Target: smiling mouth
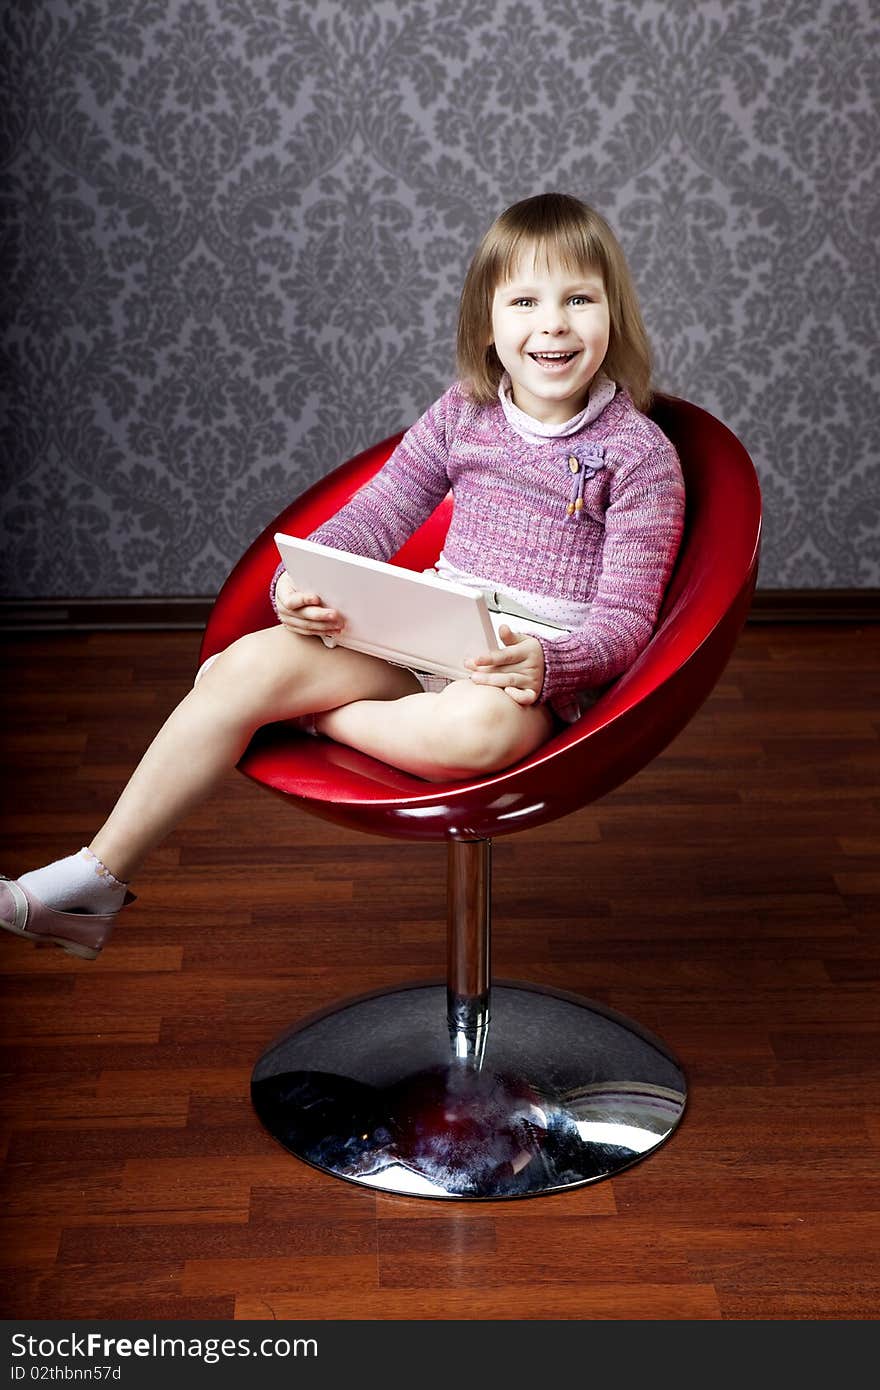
(553,361)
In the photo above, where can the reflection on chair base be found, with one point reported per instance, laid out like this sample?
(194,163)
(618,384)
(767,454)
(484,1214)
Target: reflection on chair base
(564,1092)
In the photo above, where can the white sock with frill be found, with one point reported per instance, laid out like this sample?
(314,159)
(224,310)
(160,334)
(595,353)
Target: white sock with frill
(79,883)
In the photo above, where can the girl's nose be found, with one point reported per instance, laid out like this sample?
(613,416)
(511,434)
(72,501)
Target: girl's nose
(555,321)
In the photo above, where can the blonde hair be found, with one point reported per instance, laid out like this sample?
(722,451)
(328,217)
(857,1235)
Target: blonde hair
(562,228)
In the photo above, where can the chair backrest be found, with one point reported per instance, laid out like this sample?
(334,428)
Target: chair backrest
(703,611)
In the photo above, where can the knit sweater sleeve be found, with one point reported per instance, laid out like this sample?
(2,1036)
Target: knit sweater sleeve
(643,529)
(386,511)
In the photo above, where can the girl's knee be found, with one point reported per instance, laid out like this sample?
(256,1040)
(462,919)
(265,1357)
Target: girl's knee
(254,666)
(476,735)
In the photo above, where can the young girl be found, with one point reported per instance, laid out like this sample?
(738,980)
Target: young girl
(568,499)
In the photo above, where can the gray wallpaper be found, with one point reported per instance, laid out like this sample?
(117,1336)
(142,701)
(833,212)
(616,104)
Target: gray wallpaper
(235,234)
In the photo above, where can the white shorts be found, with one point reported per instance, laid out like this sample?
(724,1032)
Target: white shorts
(567,708)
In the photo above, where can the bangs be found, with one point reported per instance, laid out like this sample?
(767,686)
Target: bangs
(577,249)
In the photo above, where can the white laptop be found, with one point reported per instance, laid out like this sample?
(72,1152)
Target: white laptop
(417,620)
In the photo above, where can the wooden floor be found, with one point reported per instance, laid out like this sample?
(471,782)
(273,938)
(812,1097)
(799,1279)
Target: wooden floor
(727,898)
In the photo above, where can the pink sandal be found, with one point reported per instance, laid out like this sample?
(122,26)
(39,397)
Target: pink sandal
(81,934)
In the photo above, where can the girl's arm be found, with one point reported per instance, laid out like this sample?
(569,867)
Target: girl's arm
(386,511)
(643,529)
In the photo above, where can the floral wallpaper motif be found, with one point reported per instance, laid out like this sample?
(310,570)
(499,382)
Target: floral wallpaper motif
(236,231)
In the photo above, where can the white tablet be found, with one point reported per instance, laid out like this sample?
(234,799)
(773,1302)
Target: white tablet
(417,620)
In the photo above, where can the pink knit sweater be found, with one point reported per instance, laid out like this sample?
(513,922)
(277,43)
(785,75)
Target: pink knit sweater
(512,524)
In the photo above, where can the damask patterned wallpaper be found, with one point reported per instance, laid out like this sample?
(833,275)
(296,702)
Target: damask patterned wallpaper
(236,232)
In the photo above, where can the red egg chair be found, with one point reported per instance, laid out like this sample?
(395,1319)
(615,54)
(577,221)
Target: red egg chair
(452,1089)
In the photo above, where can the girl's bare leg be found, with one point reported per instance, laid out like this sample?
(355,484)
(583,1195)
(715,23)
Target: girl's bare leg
(266,676)
(463,731)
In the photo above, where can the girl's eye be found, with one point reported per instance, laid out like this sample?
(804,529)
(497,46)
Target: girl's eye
(575,298)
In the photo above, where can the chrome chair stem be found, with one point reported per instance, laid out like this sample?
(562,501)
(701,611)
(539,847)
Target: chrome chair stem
(468,947)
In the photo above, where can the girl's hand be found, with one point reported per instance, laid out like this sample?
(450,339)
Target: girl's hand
(518,667)
(304,613)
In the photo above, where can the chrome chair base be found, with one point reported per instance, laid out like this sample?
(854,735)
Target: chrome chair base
(558,1092)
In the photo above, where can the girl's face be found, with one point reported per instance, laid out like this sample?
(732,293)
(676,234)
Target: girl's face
(545,310)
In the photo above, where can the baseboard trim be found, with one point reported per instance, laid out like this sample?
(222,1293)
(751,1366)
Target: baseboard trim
(167,614)
(103,614)
(815,606)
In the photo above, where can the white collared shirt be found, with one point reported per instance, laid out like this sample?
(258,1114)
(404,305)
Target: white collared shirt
(602,391)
